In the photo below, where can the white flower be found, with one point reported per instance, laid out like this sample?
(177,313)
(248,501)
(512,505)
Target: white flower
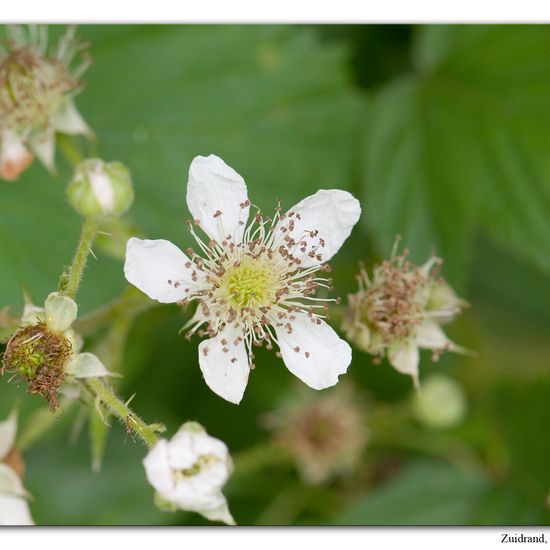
(14,509)
(189,472)
(37,90)
(256,281)
(400,310)
(45,350)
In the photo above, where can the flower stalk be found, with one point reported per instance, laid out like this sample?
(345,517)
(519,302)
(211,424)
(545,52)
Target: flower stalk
(70,279)
(134,424)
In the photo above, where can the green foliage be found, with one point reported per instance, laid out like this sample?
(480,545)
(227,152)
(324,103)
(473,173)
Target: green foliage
(448,149)
(461,146)
(426,493)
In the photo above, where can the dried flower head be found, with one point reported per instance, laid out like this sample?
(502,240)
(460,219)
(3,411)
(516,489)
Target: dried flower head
(37,87)
(400,309)
(256,280)
(44,351)
(325,434)
(38,355)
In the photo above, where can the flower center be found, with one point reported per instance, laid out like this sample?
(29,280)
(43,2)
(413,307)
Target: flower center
(252,284)
(257,284)
(202,462)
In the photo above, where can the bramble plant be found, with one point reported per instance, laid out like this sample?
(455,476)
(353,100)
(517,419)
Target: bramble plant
(254,280)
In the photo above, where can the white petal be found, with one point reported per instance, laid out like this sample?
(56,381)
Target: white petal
(159,269)
(14,509)
(190,442)
(61,311)
(158,471)
(68,120)
(431,336)
(8,429)
(404,357)
(313,352)
(43,146)
(332,213)
(87,365)
(225,372)
(214,187)
(220,514)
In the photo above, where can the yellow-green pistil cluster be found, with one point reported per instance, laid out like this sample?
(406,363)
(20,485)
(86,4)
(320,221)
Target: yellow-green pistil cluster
(250,285)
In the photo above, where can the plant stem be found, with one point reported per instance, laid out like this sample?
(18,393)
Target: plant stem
(147,432)
(70,151)
(70,279)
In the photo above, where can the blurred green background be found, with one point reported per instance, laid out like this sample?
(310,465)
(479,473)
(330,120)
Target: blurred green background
(442,132)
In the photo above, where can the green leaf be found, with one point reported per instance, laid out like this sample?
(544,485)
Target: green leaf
(462,146)
(426,493)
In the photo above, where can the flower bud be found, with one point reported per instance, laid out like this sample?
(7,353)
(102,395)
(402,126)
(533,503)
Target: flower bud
(189,471)
(441,404)
(99,189)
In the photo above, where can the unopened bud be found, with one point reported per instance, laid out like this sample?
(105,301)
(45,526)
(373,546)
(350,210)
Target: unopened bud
(441,403)
(100,189)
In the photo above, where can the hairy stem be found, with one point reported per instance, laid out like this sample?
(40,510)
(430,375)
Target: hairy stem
(70,279)
(147,432)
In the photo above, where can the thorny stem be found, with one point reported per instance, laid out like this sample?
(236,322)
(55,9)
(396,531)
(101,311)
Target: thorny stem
(70,279)
(134,424)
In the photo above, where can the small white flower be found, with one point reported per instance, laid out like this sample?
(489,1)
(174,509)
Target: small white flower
(37,90)
(14,509)
(189,471)
(399,310)
(255,282)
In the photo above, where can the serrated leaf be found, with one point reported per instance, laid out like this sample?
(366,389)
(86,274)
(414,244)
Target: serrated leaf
(462,146)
